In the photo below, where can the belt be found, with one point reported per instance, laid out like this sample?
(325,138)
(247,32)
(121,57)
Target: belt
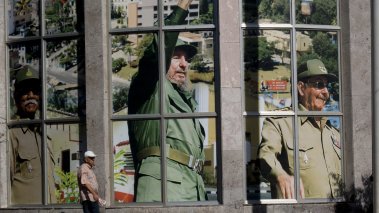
(175,155)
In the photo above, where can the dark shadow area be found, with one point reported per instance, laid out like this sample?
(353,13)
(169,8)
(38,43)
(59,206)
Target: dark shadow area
(358,199)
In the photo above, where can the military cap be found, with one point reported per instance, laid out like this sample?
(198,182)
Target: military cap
(314,67)
(190,50)
(25,72)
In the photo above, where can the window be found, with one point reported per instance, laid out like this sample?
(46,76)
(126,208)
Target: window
(46,100)
(164,98)
(293,117)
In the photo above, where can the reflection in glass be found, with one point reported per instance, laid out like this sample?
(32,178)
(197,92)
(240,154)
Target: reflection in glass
(23,18)
(267,59)
(322,46)
(193,75)
(320,12)
(64,141)
(138,142)
(199,11)
(320,156)
(128,14)
(65,78)
(127,50)
(266,11)
(24,77)
(60,16)
(269,156)
(26,165)
(186,174)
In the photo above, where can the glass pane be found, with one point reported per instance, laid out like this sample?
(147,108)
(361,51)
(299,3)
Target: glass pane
(269,157)
(191,159)
(64,141)
(25,84)
(198,12)
(266,11)
(137,141)
(65,78)
(189,84)
(128,14)
(23,18)
(135,74)
(322,12)
(26,165)
(320,157)
(60,16)
(267,59)
(317,69)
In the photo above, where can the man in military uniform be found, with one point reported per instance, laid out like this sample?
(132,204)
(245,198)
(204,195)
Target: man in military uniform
(319,142)
(25,142)
(184,137)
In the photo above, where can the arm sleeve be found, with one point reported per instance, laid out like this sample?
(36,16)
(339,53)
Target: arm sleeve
(269,150)
(144,82)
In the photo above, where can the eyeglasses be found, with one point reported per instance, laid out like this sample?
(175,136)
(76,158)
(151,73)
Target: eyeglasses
(318,84)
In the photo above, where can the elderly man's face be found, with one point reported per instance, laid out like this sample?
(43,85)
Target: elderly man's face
(313,93)
(177,72)
(28,101)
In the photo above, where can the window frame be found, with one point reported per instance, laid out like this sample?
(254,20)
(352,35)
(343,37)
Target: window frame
(160,29)
(43,121)
(294,113)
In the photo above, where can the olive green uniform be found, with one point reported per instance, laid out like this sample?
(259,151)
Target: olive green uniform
(319,155)
(184,137)
(26,167)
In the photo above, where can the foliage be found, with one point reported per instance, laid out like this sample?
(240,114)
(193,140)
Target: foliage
(145,42)
(198,63)
(325,49)
(276,10)
(210,180)
(117,64)
(323,12)
(120,98)
(258,53)
(206,14)
(23,7)
(118,164)
(62,100)
(67,185)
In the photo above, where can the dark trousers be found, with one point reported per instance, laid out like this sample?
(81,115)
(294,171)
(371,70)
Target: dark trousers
(90,207)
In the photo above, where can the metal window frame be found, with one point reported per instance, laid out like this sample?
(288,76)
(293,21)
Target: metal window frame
(41,39)
(160,29)
(295,113)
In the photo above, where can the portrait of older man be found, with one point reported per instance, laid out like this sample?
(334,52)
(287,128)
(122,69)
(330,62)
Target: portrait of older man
(184,137)
(319,142)
(26,163)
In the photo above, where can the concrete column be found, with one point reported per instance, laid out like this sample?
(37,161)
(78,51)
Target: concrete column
(97,94)
(3,113)
(375,85)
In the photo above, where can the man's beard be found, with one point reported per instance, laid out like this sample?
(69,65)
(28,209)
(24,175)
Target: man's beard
(184,86)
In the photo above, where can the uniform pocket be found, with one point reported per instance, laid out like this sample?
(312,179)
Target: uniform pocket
(29,167)
(305,155)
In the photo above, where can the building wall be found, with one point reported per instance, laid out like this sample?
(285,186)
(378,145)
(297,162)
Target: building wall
(356,75)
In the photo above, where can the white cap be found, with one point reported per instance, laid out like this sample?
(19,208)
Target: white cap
(89,154)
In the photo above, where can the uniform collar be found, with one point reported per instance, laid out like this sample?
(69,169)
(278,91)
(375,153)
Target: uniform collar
(304,119)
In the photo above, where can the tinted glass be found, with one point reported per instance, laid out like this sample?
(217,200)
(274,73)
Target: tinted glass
(24,73)
(266,11)
(65,78)
(64,143)
(322,46)
(320,12)
(267,60)
(320,157)
(269,157)
(23,18)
